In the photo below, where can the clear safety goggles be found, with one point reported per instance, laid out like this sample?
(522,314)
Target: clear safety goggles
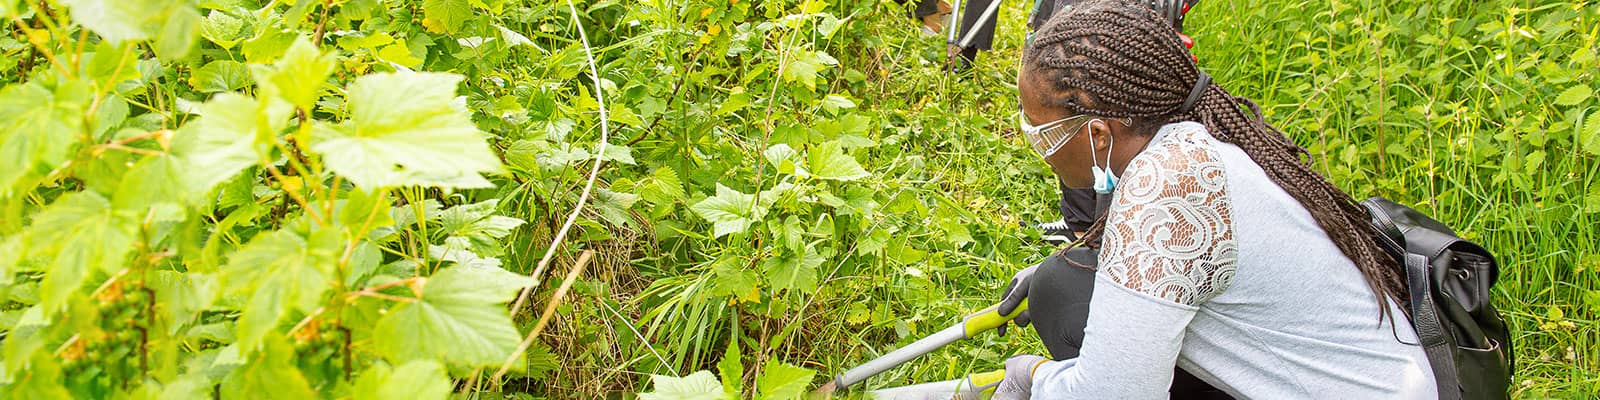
(1048,137)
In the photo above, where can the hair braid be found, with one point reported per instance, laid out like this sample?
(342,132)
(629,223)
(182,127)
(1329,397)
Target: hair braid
(1119,59)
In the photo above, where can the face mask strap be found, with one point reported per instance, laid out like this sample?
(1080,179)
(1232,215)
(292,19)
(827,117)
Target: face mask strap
(1104,181)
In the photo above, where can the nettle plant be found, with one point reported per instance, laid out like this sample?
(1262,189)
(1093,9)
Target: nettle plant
(281,237)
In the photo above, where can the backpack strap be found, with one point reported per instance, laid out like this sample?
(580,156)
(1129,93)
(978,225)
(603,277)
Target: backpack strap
(1430,330)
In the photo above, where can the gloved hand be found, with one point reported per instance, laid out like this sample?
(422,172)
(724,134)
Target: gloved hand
(1013,295)
(1018,384)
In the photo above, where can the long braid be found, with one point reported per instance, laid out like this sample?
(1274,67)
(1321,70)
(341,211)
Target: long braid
(1119,59)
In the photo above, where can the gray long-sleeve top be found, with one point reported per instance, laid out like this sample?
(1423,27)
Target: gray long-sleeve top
(1209,265)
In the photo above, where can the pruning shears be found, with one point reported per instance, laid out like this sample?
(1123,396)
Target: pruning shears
(970,326)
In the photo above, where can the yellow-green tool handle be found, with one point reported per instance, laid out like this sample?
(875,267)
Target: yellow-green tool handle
(972,325)
(987,380)
(990,318)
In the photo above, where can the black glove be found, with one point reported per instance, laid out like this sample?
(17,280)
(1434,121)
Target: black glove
(1013,296)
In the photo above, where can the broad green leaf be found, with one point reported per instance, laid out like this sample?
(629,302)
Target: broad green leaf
(514,39)
(731,368)
(118,20)
(222,29)
(220,76)
(232,133)
(36,130)
(180,297)
(365,208)
(613,206)
(418,379)
(153,180)
(783,381)
(405,130)
(79,234)
(735,278)
(398,53)
(476,228)
(829,161)
(794,270)
(298,76)
(268,45)
(1589,138)
(270,375)
(701,385)
(779,153)
(280,272)
(179,32)
(664,187)
(446,15)
(113,63)
(361,40)
(44,380)
(460,319)
(730,211)
(804,65)
(1574,95)
(10,254)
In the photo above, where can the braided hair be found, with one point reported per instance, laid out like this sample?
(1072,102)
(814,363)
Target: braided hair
(1119,59)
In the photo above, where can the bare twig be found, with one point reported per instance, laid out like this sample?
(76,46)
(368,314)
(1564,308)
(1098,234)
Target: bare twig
(544,318)
(594,174)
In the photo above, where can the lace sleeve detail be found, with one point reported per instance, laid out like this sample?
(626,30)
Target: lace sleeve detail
(1170,231)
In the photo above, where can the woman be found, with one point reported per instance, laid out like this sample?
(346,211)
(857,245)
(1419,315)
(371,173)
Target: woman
(1223,253)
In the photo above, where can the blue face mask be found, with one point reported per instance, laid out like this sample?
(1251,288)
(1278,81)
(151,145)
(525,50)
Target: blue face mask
(1104,181)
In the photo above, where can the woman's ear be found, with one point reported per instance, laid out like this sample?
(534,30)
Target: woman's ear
(1100,130)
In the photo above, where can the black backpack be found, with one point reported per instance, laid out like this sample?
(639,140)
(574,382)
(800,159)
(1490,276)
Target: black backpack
(1449,279)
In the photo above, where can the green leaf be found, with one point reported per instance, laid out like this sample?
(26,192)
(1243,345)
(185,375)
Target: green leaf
(1589,138)
(272,375)
(418,379)
(220,76)
(829,161)
(10,254)
(804,66)
(179,32)
(475,228)
(268,45)
(298,76)
(664,187)
(279,272)
(730,211)
(1574,95)
(734,279)
(731,368)
(233,132)
(794,270)
(783,381)
(460,319)
(446,15)
(398,53)
(405,129)
(118,20)
(701,385)
(153,180)
(37,129)
(613,206)
(80,234)
(222,29)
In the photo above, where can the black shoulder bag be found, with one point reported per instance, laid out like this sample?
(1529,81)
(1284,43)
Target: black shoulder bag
(1449,280)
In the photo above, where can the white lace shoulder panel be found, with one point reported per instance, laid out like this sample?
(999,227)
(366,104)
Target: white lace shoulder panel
(1170,229)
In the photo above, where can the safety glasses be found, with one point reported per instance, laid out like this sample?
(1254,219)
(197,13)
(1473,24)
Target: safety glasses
(1048,137)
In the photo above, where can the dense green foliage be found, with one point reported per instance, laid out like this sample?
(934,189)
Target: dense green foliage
(338,198)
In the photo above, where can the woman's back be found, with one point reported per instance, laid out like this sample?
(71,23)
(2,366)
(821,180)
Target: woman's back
(1286,314)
